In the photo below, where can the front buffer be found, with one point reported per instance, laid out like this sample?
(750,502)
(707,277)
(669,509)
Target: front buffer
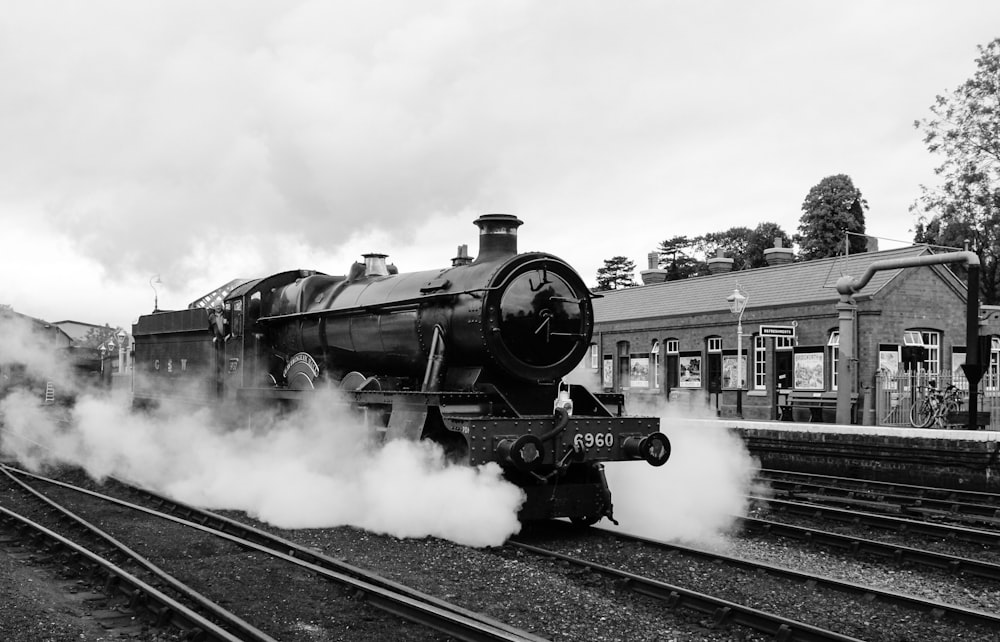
(558,459)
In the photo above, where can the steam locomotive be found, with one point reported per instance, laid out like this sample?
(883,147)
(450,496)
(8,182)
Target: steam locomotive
(472,356)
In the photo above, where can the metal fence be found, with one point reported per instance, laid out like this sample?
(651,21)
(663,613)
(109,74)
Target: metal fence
(896,395)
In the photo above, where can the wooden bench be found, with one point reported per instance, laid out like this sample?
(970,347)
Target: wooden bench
(818,407)
(960,419)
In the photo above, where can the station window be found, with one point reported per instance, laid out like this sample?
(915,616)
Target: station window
(932,341)
(715,344)
(673,368)
(992,378)
(759,362)
(834,345)
(593,356)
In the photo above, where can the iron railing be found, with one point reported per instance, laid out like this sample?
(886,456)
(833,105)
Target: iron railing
(895,395)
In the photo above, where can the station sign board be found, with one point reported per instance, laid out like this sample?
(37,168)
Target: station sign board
(777,331)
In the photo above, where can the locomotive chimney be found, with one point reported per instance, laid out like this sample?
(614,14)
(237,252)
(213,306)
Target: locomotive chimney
(497,236)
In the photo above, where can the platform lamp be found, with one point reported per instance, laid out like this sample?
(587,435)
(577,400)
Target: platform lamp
(104,353)
(121,351)
(737,303)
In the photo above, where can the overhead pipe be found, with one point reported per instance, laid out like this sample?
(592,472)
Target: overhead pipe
(848,286)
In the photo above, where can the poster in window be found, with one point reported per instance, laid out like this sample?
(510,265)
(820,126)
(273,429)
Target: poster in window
(638,371)
(729,376)
(888,363)
(808,371)
(608,372)
(690,372)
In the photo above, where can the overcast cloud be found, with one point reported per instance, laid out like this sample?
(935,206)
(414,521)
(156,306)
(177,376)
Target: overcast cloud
(208,141)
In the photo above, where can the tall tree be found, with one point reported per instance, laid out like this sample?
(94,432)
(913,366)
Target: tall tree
(964,130)
(743,245)
(833,207)
(618,272)
(677,258)
(733,243)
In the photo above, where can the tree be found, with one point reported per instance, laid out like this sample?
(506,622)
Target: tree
(743,245)
(732,242)
(965,130)
(833,207)
(676,257)
(618,272)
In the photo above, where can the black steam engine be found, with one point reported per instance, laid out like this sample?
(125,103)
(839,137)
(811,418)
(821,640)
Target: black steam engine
(471,356)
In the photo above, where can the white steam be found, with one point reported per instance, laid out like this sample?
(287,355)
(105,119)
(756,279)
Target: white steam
(312,469)
(697,495)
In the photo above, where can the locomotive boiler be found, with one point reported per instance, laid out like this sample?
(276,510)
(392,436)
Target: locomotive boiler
(472,356)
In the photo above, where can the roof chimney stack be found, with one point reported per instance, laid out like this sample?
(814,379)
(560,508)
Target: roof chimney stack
(778,255)
(654,274)
(719,263)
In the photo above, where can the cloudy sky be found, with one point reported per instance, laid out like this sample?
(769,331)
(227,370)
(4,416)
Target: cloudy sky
(207,141)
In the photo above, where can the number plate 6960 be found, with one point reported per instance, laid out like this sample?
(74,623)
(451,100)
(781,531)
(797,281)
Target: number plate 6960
(589,440)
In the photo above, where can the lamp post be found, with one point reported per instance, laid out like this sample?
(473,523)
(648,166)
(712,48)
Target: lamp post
(156,295)
(121,351)
(737,303)
(104,352)
(111,350)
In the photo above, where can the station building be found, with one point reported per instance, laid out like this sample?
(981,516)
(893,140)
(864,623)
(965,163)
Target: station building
(678,340)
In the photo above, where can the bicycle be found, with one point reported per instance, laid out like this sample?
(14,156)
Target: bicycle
(935,406)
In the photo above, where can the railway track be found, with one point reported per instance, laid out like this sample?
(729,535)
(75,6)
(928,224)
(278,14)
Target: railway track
(974,509)
(200,529)
(756,595)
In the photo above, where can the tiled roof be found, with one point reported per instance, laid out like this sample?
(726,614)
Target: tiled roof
(803,282)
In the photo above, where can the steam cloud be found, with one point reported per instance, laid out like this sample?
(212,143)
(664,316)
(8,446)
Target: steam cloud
(313,468)
(697,495)
(309,470)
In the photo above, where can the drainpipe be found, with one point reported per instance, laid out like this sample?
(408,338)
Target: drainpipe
(848,286)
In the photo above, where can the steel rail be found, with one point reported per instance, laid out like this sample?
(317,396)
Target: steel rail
(898,524)
(981,503)
(245,629)
(927,606)
(722,611)
(858,545)
(894,597)
(164,607)
(880,501)
(381,592)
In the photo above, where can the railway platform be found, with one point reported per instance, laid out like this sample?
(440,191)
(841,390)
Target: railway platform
(960,459)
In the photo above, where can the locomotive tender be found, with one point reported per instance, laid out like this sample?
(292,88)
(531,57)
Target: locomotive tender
(471,356)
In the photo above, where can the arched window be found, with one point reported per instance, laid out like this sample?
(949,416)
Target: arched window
(654,365)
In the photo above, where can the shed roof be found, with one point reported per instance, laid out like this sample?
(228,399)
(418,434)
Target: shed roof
(799,283)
